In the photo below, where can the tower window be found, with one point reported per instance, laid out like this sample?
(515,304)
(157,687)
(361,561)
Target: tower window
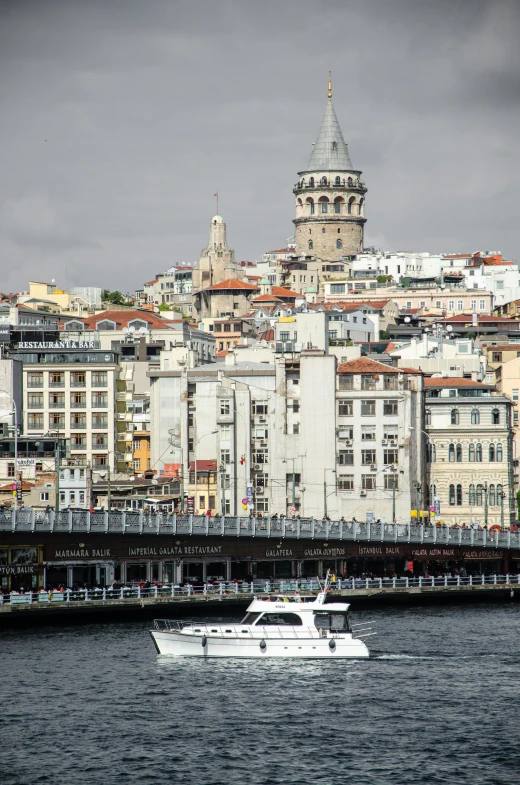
(310,245)
(339,244)
(337,207)
(312,208)
(311,182)
(324,181)
(324,207)
(338,180)
(339,231)
(323,230)
(335,147)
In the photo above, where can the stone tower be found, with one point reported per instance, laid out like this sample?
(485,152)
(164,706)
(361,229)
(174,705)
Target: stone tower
(217,261)
(330,197)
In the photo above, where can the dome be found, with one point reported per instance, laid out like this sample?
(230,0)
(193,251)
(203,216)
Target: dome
(265,281)
(217,219)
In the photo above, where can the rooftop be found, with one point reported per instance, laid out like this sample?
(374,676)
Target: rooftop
(232,283)
(456,382)
(365,365)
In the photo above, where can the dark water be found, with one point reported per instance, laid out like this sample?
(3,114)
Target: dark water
(438,703)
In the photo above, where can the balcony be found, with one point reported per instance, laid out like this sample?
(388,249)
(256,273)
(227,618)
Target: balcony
(100,403)
(78,383)
(80,404)
(57,384)
(56,404)
(35,383)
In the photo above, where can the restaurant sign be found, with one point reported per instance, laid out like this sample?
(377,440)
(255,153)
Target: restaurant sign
(53,345)
(20,569)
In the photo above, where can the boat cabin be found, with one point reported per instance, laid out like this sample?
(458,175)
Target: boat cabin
(297,611)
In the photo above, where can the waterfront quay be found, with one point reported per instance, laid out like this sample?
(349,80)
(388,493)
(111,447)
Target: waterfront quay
(40,549)
(137,601)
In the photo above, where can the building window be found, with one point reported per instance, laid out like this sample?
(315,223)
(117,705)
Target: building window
(478,453)
(35,422)
(99,379)
(368,382)
(312,207)
(479,495)
(339,244)
(491,453)
(390,456)
(57,380)
(78,379)
(56,400)
(495,417)
(451,305)
(346,457)
(460,306)
(499,454)
(390,408)
(482,305)
(459,495)
(225,457)
(458,453)
(471,495)
(452,496)
(455,417)
(225,406)
(324,206)
(475,417)
(471,453)
(35,380)
(99,461)
(451,453)
(492,496)
(368,482)
(337,208)
(346,482)
(78,400)
(285,335)
(35,401)
(431,452)
(56,421)
(296,427)
(368,433)
(515,394)
(10,469)
(368,408)
(368,457)
(44,496)
(500,495)
(428,417)
(345,409)
(98,420)
(391,482)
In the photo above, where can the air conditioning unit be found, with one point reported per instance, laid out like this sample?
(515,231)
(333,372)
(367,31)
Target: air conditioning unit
(348,441)
(373,467)
(383,441)
(261,419)
(362,493)
(263,444)
(393,443)
(260,491)
(256,467)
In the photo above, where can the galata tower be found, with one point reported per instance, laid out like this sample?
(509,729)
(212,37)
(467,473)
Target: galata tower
(330,197)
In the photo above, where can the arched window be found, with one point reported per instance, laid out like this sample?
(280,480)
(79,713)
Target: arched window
(311,182)
(471,453)
(499,455)
(452,496)
(337,206)
(311,246)
(478,499)
(324,205)
(137,324)
(339,244)
(350,206)
(479,453)
(495,417)
(360,208)
(459,453)
(500,495)
(72,325)
(299,202)
(472,494)
(475,417)
(349,181)
(106,324)
(428,417)
(491,453)
(492,496)
(455,418)
(459,495)
(338,180)
(324,180)
(451,453)
(334,145)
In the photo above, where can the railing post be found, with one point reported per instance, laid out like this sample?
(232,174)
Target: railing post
(88,521)
(104,592)
(395,532)
(121,594)
(268,526)
(366,583)
(221,589)
(33,519)
(313,527)
(354,529)
(458,580)
(407,582)
(484,537)
(253,526)
(369,530)
(483,580)
(433,581)
(52,518)
(67,592)
(174,523)
(434,533)
(394,582)
(494,580)
(69,521)
(460,536)
(380,583)
(13,519)
(156,591)
(422,533)
(86,595)
(237,524)
(508,538)
(327,529)
(471,580)
(105,521)
(236,588)
(382,532)
(123,521)
(138,592)
(420,581)
(190,523)
(141,522)
(472,535)
(284,519)
(206,525)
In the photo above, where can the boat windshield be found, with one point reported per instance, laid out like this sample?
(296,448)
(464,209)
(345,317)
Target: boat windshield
(335,622)
(250,618)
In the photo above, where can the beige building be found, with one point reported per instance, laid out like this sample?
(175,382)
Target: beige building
(434,299)
(330,197)
(507,376)
(469,450)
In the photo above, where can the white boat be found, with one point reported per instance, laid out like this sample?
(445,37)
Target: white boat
(280,626)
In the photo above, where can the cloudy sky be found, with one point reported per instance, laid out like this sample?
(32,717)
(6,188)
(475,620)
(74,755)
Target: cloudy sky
(121,118)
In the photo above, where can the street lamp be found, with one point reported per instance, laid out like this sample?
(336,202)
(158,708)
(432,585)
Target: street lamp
(325,489)
(15,412)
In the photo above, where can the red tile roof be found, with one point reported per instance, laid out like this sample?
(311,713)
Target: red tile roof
(282,250)
(267,335)
(266,298)
(232,283)
(457,381)
(121,318)
(149,283)
(280,291)
(204,466)
(376,304)
(365,365)
(390,348)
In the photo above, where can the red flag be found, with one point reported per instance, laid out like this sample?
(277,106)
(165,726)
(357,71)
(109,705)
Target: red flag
(215,194)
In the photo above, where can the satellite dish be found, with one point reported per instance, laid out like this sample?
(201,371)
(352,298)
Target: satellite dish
(407,319)
(143,330)
(449,328)
(125,330)
(131,329)
(155,482)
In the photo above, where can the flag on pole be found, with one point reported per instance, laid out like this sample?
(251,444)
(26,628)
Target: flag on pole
(215,194)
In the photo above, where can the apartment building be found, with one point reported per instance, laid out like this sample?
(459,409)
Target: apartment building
(74,392)
(469,449)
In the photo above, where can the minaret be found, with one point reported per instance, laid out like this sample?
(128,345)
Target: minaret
(330,196)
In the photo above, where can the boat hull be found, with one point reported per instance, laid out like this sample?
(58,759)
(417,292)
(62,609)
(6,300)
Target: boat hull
(177,644)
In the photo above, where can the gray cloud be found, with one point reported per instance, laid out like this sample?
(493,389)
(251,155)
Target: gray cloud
(122,118)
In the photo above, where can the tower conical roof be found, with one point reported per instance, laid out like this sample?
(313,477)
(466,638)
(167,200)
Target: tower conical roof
(330,153)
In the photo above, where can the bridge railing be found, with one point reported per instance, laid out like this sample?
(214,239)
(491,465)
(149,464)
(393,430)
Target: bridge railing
(246,589)
(130,522)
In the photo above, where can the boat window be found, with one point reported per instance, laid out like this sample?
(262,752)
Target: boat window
(336,622)
(280,619)
(197,629)
(229,630)
(246,632)
(250,618)
(214,630)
